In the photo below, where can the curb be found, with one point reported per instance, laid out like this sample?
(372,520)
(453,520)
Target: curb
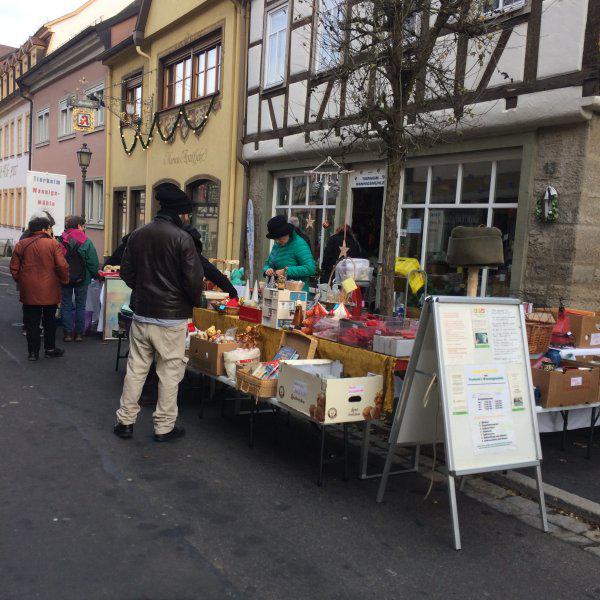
(556,497)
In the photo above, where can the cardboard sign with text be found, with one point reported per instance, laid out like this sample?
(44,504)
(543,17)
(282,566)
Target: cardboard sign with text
(46,191)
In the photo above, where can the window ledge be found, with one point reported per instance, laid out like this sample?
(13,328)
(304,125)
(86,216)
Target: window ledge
(502,14)
(66,136)
(42,144)
(272,88)
(94,225)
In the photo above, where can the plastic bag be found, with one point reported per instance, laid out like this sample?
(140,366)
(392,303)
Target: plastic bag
(404,266)
(358,268)
(240,356)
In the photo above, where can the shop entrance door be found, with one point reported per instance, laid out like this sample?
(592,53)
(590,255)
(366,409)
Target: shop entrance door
(120,212)
(367,211)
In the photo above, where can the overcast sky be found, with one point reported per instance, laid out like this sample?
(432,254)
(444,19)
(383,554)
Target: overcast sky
(21,18)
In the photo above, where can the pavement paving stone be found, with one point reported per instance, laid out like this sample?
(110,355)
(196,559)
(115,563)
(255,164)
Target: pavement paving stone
(567,522)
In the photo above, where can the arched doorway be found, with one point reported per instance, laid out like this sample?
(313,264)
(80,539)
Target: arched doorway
(206,192)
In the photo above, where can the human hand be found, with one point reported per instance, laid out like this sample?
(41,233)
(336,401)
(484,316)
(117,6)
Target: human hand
(269,272)
(280,272)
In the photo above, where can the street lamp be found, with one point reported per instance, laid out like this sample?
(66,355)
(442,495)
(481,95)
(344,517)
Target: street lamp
(84,157)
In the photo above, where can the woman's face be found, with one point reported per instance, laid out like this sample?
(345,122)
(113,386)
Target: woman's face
(282,241)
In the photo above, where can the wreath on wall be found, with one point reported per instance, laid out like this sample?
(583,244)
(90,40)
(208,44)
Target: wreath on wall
(182,115)
(546,208)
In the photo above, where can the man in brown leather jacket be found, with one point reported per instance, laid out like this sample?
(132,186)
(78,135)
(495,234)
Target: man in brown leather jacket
(161,265)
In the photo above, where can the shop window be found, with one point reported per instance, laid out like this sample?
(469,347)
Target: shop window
(206,217)
(277,23)
(312,204)
(476,178)
(426,224)
(120,212)
(139,207)
(94,202)
(443,184)
(20,136)
(192,74)
(65,120)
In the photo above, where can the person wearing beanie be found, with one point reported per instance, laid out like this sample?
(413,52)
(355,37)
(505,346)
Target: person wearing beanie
(289,252)
(210,271)
(161,265)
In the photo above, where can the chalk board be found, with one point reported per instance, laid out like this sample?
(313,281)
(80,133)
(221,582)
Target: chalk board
(483,403)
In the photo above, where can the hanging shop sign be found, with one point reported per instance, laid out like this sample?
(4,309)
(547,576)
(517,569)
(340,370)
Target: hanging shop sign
(368,178)
(468,385)
(83,119)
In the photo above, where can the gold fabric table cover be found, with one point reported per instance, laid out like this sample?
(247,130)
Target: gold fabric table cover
(357,361)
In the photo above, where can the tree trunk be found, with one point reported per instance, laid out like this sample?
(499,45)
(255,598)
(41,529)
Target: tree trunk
(395,160)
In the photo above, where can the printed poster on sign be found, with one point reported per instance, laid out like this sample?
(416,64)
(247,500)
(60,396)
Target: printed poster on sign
(479,322)
(46,192)
(489,408)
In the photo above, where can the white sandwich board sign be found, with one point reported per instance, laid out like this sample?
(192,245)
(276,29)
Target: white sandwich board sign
(468,384)
(47,191)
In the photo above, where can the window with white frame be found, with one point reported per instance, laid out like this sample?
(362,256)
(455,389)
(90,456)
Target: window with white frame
(276,42)
(94,202)
(330,18)
(491,7)
(440,195)
(65,119)
(70,198)
(43,126)
(313,204)
(98,93)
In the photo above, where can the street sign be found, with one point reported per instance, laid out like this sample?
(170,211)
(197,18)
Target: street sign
(83,119)
(75,102)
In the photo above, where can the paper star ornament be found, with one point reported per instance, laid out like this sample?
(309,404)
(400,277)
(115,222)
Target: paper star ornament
(309,221)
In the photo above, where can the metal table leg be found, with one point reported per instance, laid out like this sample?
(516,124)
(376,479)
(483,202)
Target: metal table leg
(565,417)
(118,354)
(594,419)
(345,451)
(321,457)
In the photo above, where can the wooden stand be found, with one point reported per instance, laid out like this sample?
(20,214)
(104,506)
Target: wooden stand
(472,281)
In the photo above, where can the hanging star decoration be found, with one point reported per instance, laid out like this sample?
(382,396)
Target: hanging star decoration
(309,221)
(344,249)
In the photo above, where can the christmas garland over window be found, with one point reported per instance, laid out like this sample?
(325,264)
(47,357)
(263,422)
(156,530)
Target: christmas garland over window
(546,208)
(181,114)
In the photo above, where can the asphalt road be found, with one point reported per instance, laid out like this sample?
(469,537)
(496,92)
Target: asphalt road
(86,515)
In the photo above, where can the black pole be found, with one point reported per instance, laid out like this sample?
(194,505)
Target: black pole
(83,175)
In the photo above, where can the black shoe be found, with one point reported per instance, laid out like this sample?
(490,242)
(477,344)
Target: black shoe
(123,431)
(174,434)
(34,356)
(54,353)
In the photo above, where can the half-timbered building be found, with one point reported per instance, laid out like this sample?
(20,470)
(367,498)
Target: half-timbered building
(538,126)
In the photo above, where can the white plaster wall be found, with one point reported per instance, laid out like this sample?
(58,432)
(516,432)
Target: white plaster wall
(278,104)
(13,170)
(512,61)
(257,11)
(300,49)
(302,8)
(265,117)
(252,114)
(473,70)
(296,103)
(561,36)
(444,60)
(254,64)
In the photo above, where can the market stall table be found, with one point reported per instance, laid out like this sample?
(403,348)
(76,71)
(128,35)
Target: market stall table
(581,410)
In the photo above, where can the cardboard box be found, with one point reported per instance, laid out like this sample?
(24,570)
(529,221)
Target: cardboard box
(208,357)
(317,389)
(585,330)
(567,389)
(267,388)
(393,345)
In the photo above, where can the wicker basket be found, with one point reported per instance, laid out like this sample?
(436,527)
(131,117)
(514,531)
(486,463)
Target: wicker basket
(538,336)
(259,388)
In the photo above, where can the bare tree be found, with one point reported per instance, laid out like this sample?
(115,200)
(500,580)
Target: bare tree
(392,64)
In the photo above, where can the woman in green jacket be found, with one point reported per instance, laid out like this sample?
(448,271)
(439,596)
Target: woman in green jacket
(289,251)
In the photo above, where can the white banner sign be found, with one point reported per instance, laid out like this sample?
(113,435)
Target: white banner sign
(47,191)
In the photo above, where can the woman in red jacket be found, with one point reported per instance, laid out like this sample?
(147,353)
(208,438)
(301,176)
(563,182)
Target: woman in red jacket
(39,267)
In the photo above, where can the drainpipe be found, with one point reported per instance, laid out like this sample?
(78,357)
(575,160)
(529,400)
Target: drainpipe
(108,197)
(138,39)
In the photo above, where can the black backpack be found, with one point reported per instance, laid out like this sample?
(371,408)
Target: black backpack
(76,263)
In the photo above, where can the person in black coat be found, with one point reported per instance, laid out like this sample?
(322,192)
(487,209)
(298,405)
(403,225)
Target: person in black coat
(210,271)
(117,256)
(331,253)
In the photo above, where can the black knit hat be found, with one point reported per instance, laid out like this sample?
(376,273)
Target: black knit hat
(170,197)
(277,227)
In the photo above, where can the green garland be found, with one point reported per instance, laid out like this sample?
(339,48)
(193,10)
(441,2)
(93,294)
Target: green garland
(540,208)
(181,114)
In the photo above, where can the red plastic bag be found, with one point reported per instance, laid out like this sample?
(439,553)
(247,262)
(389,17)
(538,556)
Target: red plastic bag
(561,334)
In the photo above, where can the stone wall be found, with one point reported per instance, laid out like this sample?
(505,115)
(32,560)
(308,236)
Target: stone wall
(563,258)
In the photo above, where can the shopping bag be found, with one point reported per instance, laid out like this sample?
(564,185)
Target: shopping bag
(404,266)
